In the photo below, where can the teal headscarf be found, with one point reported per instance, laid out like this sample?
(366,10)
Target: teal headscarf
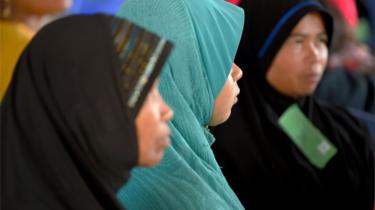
(206,34)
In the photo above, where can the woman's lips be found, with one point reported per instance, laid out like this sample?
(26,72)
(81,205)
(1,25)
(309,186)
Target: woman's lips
(165,142)
(312,78)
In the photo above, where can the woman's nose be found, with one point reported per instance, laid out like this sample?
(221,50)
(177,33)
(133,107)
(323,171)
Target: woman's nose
(313,51)
(236,72)
(166,111)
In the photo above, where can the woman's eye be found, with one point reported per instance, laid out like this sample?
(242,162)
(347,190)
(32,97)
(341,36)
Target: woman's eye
(298,41)
(323,40)
(152,94)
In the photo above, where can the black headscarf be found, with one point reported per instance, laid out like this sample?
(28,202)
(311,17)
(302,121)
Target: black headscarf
(262,164)
(68,138)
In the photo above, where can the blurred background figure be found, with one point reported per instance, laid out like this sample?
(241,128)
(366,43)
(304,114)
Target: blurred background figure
(367,9)
(350,79)
(19,20)
(95,6)
(348,51)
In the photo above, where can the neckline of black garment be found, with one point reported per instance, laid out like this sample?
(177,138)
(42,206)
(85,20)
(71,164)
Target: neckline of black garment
(276,100)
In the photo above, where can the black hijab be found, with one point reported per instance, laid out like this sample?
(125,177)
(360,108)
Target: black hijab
(262,164)
(68,138)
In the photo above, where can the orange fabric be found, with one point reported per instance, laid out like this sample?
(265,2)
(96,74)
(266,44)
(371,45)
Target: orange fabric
(13,39)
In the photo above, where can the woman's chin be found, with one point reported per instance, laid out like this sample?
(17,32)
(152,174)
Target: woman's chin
(219,120)
(152,161)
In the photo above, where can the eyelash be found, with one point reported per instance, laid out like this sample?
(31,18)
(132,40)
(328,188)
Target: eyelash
(321,40)
(324,40)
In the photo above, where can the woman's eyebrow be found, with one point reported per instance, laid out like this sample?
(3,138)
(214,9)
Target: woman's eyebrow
(302,35)
(297,35)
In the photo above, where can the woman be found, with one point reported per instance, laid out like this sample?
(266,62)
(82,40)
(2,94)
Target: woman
(196,78)
(282,149)
(19,20)
(81,111)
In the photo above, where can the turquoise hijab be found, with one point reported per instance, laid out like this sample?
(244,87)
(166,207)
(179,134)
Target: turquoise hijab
(206,34)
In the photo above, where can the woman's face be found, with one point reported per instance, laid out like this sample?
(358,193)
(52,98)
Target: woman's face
(152,128)
(300,63)
(41,7)
(227,97)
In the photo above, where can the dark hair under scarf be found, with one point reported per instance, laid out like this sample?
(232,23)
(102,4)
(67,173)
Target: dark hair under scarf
(68,138)
(262,164)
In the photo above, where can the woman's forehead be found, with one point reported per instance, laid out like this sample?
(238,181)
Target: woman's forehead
(312,22)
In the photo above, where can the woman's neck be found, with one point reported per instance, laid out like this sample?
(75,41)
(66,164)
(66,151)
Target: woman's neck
(278,101)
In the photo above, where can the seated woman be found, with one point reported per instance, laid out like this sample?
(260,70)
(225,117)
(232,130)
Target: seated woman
(82,110)
(283,149)
(199,83)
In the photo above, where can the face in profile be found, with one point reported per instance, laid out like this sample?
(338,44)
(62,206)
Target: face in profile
(39,7)
(227,97)
(300,63)
(152,128)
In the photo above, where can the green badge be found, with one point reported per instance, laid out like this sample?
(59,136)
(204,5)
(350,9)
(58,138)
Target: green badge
(309,139)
